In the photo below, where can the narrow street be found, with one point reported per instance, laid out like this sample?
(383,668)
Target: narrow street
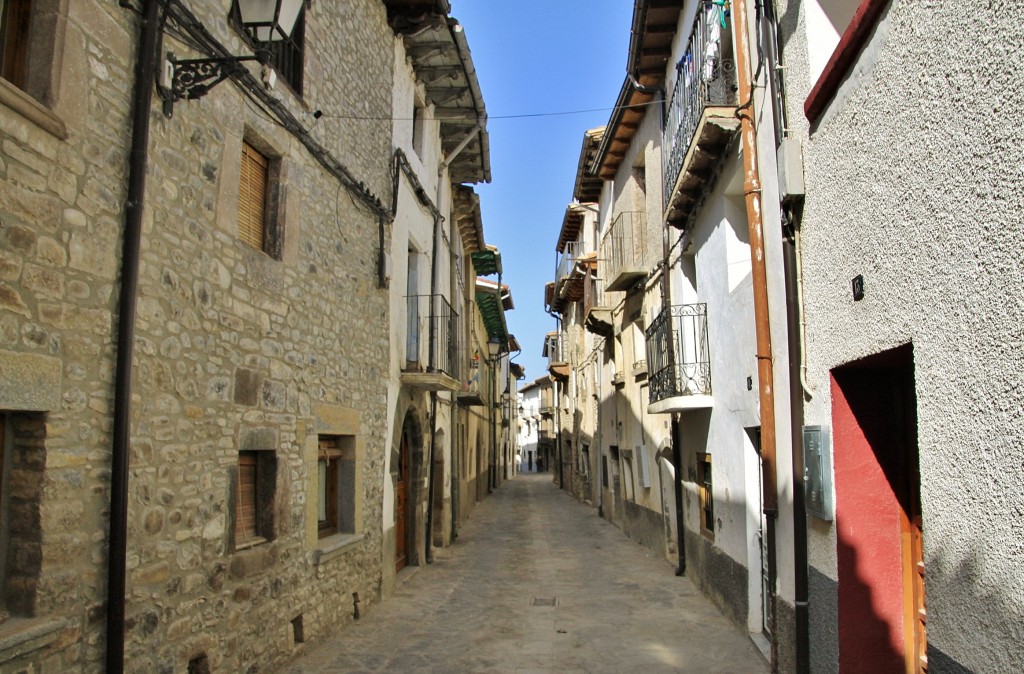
(485,605)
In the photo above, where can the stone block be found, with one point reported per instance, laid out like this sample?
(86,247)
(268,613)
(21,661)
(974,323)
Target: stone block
(154,574)
(247,387)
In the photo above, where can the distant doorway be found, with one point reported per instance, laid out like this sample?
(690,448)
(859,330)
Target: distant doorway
(402,510)
(878,515)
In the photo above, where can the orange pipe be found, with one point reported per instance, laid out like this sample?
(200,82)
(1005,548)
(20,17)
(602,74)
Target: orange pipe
(759,279)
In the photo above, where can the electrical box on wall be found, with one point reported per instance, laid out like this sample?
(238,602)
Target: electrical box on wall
(818,472)
(643,466)
(791,169)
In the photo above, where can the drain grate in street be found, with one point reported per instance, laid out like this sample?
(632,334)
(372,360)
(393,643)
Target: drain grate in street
(544,601)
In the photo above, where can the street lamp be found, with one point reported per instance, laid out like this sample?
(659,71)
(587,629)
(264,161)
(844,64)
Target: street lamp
(269,20)
(265,21)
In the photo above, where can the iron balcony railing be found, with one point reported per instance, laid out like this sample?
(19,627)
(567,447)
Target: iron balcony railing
(555,349)
(705,76)
(625,246)
(677,353)
(431,335)
(574,250)
(596,295)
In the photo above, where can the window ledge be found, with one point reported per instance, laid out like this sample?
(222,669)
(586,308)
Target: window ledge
(19,636)
(250,544)
(332,546)
(32,110)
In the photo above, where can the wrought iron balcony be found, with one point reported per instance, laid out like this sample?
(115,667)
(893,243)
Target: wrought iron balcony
(625,249)
(701,115)
(678,359)
(569,276)
(431,344)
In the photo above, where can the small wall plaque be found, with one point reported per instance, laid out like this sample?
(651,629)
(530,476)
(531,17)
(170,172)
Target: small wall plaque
(858,287)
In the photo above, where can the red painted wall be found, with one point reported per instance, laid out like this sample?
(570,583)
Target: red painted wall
(866,429)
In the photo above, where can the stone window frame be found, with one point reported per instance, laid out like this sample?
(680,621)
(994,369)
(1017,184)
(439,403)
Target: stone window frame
(337,455)
(263,499)
(345,424)
(35,95)
(272,243)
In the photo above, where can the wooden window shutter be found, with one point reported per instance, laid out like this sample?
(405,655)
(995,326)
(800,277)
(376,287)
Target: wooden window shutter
(252,198)
(15,16)
(245,505)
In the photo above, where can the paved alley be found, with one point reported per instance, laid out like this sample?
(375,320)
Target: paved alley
(537,583)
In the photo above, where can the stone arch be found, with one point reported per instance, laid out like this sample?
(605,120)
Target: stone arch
(408,476)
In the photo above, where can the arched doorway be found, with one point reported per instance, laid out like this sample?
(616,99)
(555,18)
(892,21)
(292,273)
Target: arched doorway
(404,522)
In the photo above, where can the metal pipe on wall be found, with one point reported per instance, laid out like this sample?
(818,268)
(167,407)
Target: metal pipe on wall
(117,540)
(759,282)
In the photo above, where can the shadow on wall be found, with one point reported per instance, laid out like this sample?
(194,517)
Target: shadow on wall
(989,628)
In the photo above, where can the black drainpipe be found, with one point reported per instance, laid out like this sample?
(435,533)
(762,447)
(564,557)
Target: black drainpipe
(790,219)
(432,345)
(117,540)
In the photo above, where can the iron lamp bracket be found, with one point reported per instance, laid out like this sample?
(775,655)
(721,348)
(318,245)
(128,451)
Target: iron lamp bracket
(193,78)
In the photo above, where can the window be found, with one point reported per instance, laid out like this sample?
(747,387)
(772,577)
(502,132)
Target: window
(707,501)
(14,40)
(335,485)
(418,129)
(258,219)
(22,462)
(254,498)
(286,56)
(252,197)
(837,32)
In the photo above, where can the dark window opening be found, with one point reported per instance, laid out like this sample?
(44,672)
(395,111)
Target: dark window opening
(15,16)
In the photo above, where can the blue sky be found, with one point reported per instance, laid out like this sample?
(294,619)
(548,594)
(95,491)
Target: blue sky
(539,56)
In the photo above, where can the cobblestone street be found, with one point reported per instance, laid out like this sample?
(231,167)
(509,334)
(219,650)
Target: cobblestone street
(538,583)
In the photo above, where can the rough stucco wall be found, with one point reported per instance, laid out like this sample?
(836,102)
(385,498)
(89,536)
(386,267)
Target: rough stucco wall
(913,181)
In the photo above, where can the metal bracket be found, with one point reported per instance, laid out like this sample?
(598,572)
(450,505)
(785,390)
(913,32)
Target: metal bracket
(193,78)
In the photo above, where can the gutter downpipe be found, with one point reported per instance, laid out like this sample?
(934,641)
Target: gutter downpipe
(796,402)
(762,324)
(117,550)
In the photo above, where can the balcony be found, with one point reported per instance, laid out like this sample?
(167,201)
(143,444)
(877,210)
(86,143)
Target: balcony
(558,361)
(569,276)
(597,307)
(431,344)
(625,248)
(678,360)
(702,120)
(471,391)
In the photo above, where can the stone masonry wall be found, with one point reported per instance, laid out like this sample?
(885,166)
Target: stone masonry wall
(234,349)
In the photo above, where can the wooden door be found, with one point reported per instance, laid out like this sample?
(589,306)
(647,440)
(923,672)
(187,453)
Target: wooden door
(402,506)
(914,616)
